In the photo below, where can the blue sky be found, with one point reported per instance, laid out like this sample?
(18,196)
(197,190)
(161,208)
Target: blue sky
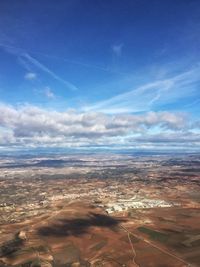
(97,73)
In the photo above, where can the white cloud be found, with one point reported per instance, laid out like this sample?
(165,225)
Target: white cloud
(42,67)
(30,76)
(32,126)
(48,93)
(150,95)
(26,59)
(117,49)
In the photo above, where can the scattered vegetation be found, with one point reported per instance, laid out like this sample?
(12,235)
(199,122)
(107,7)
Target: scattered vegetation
(154,235)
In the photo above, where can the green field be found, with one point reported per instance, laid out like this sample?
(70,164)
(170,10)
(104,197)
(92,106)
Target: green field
(154,235)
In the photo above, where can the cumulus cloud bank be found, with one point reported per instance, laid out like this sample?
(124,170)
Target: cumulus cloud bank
(31,126)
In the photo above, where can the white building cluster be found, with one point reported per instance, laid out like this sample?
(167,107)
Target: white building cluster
(125,204)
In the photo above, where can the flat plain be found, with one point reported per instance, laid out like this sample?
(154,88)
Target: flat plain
(100,210)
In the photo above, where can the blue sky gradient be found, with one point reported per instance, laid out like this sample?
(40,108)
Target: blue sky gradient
(92,73)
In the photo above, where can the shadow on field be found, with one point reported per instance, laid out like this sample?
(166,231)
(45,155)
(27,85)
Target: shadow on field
(79,226)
